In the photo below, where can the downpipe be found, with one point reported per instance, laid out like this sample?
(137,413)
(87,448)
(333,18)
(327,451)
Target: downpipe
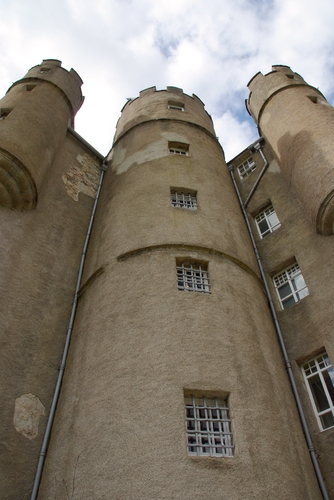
(47,433)
(287,362)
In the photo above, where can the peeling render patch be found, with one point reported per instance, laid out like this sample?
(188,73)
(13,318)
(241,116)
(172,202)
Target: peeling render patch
(28,410)
(82,178)
(153,151)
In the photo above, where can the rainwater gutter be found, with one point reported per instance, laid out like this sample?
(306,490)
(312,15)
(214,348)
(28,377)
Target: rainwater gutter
(47,433)
(287,362)
(257,147)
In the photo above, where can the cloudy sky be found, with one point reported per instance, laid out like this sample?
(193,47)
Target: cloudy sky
(210,48)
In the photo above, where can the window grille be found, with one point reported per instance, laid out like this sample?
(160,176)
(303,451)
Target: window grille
(246,168)
(179,106)
(178,148)
(319,376)
(182,200)
(192,278)
(290,286)
(267,221)
(178,151)
(208,427)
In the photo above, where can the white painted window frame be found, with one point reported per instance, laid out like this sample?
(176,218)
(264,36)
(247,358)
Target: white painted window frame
(270,216)
(246,168)
(317,366)
(294,278)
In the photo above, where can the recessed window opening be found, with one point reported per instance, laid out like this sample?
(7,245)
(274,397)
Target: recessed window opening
(184,199)
(44,70)
(4,112)
(267,221)
(319,377)
(313,98)
(292,77)
(290,286)
(192,277)
(246,168)
(29,88)
(179,106)
(178,148)
(208,426)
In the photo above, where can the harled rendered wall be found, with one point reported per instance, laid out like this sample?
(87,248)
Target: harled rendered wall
(139,342)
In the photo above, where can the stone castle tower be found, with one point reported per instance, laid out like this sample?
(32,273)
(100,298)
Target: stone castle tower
(178,373)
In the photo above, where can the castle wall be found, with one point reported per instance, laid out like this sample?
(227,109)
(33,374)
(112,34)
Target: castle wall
(40,253)
(139,342)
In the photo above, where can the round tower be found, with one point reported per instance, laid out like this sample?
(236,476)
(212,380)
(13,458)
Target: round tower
(34,117)
(298,124)
(167,391)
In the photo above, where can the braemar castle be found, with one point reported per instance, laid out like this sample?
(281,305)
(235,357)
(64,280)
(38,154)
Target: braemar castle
(166,317)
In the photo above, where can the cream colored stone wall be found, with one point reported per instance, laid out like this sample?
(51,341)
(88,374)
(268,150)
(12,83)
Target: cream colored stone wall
(139,342)
(40,252)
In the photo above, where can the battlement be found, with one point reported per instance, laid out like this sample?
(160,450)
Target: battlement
(167,104)
(263,87)
(68,82)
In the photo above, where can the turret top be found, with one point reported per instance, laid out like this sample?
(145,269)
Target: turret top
(69,82)
(263,87)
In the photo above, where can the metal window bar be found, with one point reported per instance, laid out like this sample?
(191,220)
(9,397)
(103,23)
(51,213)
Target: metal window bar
(176,151)
(290,286)
(182,200)
(319,377)
(267,221)
(208,427)
(192,278)
(246,168)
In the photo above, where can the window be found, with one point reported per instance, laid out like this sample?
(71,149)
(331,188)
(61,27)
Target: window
(179,106)
(187,199)
(246,168)
(44,70)
(178,148)
(208,426)
(290,286)
(267,221)
(192,277)
(29,88)
(4,112)
(319,376)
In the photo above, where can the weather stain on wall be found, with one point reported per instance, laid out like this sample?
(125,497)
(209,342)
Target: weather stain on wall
(28,410)
(82,178)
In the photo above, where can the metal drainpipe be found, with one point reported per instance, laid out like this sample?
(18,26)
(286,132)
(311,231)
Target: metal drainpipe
(283,348)
(49,425)
(258,148)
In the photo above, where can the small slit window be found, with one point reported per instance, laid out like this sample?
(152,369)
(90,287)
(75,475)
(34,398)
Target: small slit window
(44,69)
(29,88)
(178,106)
(178,148)
(208,426)
(192,277)
(246,168)
(313,98)
(4,112)
(184,199)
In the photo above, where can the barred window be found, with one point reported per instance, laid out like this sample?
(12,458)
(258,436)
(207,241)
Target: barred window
(246,168)
(208,426)
(319,377)
(290,286)
(178,148)
(267,221)
(192,278)
(186,199)
(179,106)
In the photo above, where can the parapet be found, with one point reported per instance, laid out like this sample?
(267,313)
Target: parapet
(263,87)
(68,82)
(169,104)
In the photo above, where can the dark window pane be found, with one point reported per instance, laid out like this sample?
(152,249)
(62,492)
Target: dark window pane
(327,420)
(329,379)
(318,392)
(284,290)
